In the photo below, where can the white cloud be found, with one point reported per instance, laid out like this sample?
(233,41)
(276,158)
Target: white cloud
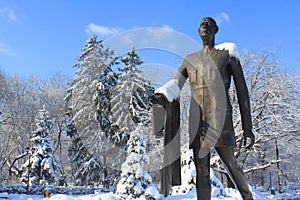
(164,39)
(6,51)
(8,13)
(222,17)
(157,34)
(102,30)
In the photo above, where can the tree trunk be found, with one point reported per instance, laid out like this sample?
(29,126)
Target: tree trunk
(278,168)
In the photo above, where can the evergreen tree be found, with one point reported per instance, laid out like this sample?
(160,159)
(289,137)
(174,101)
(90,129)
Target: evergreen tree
(41,167)
(89,99)
(90,91)
(132,116)
(135,182)
(130,97)
(86,169)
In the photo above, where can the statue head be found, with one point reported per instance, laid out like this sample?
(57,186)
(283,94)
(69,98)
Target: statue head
(208,28)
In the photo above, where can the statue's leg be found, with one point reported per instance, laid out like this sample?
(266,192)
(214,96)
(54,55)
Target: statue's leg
(202,179)
(226,154)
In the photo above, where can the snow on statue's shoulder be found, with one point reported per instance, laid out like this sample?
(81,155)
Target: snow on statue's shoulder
(231,47)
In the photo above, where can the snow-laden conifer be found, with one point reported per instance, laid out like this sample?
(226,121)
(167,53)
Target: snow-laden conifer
(89,100)
(130,96)
(136,182)
(86,169)
(41,167)
(90,91)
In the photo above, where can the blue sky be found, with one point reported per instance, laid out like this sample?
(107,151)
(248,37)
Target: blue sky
(44,37)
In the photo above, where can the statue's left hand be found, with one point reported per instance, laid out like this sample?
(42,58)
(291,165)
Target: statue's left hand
(249,134)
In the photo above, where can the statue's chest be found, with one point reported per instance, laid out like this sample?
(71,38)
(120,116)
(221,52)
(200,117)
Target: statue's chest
(207,69)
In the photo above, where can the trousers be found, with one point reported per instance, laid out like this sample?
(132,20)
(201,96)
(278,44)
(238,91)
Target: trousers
(226,153)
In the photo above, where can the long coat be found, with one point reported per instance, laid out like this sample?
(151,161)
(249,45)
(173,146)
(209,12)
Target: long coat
(210,74)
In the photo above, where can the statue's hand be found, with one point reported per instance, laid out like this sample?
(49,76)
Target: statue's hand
(157,99)
(249,134)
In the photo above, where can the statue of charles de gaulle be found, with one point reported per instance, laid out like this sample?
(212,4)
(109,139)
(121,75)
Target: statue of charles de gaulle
(210,72)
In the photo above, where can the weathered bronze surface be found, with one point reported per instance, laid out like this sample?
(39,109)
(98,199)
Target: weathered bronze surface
(210,121)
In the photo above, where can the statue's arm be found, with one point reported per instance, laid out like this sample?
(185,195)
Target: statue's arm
(242,93)
(243,98)
(182,74)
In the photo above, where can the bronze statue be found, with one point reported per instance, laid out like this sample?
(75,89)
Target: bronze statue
(210,121)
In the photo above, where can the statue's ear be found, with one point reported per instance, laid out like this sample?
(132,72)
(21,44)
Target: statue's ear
(217,29)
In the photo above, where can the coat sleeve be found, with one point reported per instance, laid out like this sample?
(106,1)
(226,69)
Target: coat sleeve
(242,93)
(182,73)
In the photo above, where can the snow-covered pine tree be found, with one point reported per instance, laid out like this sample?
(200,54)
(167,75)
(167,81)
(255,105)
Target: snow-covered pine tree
(89,92)
(89,99)
(136,182)
(130,97)
(41,167)
(86,169)
(102,97)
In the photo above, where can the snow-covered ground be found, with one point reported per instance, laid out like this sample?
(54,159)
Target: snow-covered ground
(186,191)
(231,194)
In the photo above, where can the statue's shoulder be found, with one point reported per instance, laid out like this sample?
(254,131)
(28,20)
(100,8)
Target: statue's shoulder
(193,58)
(230,47)
(194,55)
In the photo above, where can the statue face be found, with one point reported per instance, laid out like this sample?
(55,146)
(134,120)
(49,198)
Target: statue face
(207,29)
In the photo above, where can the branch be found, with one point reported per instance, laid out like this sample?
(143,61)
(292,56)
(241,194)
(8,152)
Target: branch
(11,166)
(223,171)
(262,167)
(6,158)
(4,120)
